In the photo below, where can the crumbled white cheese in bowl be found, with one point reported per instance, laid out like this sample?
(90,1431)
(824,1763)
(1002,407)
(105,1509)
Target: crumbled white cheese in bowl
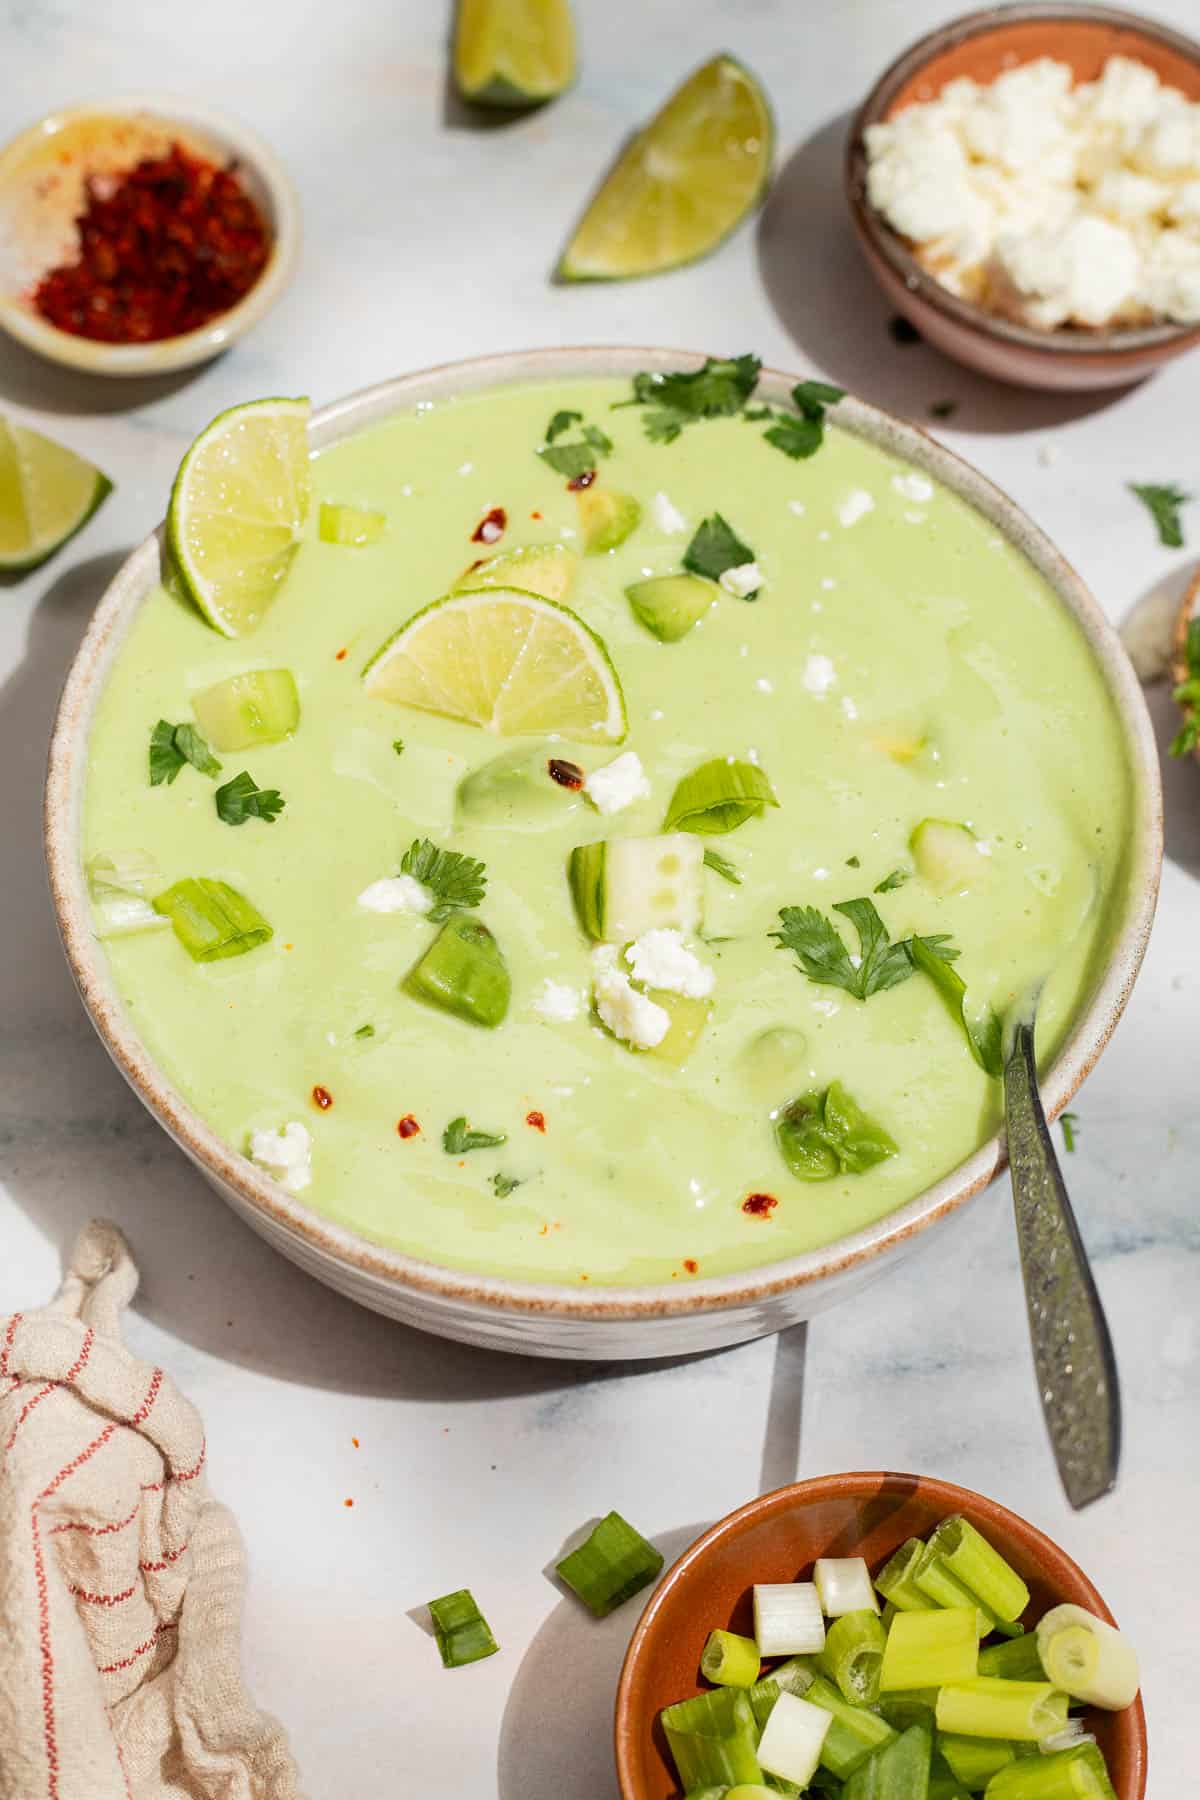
(1047,202)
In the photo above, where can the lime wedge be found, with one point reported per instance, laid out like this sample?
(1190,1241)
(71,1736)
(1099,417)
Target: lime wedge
(545,569)
(682,184)
(513,52)
(238,509)
(47,494)
(511,662)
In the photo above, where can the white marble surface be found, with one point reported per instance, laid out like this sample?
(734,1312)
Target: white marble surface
(429,239)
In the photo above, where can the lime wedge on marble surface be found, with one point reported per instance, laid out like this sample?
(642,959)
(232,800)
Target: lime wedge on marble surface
(47,494)
(238,510)
(508,661)
(513,52)
(682,184)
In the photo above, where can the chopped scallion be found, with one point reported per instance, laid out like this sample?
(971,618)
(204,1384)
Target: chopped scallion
(981,1568)
(463,1634)
(787,1618)
(944,1589)
(900,1771)
(989,1707)
(612,1564)
(855,1734)
(1078,1774)
(896,1582)
(1018,1660)
(730,1660)
(713,1739)
(853,1655)
(1088,1659)
(211,919)
(120,891)
(718,797)
(926,1649)
(974,1760)
(790,1746)
(844,1585)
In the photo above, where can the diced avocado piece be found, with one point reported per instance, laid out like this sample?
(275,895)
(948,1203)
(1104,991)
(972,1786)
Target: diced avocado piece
(606,518)
(464,972)
(625,886)
(903,747)
(688,1019)
(771,1061)
(544,569)
(947,855)
(260,707)
(515,792)
(351,526)
(669,605)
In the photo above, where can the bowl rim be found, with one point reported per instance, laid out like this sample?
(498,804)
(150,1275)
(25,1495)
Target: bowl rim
(289,1215)
(855,1483)
(1091,345)
(190,347)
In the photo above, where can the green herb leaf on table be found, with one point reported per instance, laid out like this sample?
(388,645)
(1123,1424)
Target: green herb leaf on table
(457,882)
(504,1184)
(1070,1127)
(896,879)
(458,1137)
(716,547)
(933,956)
(171,746)
(823,955)
(583,453)
(721,865)
(1163,504)
(242,799)
(719,390)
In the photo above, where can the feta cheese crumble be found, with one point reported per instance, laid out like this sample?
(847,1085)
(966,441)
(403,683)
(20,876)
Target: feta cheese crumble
(764,686)
(396,893)
(667,516)
(744,580)
(819,674)
(857,504)
(661,959)
(285,1155)
(913,486)
(618,784)
(1051,203)
(629,1015)
(558,1001)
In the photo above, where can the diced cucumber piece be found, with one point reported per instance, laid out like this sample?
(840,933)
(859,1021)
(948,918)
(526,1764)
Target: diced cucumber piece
(688,1019)
(669,605)
(120,892)
(515,792)
(606,518)
(351,526)
(625,886)
(544,569)
(947,855)
(464,972)
(260,707)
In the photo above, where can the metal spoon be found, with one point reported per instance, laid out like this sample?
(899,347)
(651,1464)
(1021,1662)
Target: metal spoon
(1072,1349)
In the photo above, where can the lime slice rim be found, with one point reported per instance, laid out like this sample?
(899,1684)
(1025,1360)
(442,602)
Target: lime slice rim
(500,89)
(471,599)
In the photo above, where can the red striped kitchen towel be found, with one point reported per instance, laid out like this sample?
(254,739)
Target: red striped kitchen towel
(120,1576)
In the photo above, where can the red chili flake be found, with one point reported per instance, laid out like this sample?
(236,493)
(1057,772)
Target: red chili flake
(340,657)
(567,774)
(408,1126)
(535,515)
(354,1441)
(322,1098)
(163,248)
(759,1206)
(490,528)
(581,481)
(537,1120)
(347,1503)
(690,1264)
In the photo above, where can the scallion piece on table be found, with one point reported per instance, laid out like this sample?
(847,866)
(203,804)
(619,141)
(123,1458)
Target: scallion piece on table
(896,1582)
(351,526)
(463,1634)
(1088,1659)
(974,1760)
(261,706)
(926,1649)
(1079,1774)
(853,1655)
(612,1564)
(790,1746)
(730,1660)
(990,1707)
(898,1772)
(211,919)
(937,1582)
(719,796)
(713,1739)
(855,1734)
(844,1585)
(787,1619)
(1018,1660)
(969,1557)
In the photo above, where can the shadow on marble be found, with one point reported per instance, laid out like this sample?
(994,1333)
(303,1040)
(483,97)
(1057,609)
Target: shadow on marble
(30,380)
(460,115)
(826,299)
(556,1733)
(780,1461)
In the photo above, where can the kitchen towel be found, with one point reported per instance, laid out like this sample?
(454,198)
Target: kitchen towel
(121,1577)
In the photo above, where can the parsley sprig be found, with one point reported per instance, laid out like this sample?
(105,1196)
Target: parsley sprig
(582,453)
(1163,504)
(723,389)
(822,953)
(716,547)
(458,1137)
(171,746)
(242,799)
(457,882)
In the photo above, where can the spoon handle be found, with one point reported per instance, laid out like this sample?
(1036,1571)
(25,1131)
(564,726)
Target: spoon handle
(1072,1350)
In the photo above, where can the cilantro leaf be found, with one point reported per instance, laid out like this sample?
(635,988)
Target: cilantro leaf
(562,421)
(398,746)
(985,1030)
(242,799)
(721,865)
(803,436)
(812,397)
(896,879)
(457,882)
(504,1184)
(883,964)
(718,390)
(458,1137)
(1163,504)
(716,547)
(576,458)
(823,956)
(365,1031)
(171,746)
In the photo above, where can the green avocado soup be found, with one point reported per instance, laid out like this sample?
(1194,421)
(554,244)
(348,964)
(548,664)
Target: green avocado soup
(901,663)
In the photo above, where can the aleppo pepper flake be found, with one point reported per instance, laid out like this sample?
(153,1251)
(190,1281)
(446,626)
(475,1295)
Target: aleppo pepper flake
(163,249)
(322,1098)
(537,1120)
(407,1126)
(759,1206)
(567,774)
(490,528)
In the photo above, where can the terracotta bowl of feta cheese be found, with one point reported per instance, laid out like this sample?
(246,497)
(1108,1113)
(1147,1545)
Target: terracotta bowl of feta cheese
(1025,184)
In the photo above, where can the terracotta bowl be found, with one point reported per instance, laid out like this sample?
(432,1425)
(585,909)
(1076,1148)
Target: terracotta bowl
(560,1319)
(983,45)
(42,175)
(777,1538)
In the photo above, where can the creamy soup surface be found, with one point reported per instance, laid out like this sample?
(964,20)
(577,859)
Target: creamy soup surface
(901,663)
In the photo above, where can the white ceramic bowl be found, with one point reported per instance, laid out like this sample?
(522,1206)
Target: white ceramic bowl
(547,1319)
(42,173)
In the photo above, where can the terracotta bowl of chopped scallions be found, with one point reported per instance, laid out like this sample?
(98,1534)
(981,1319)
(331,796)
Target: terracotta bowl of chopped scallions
(1185,669)
(878,1636)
